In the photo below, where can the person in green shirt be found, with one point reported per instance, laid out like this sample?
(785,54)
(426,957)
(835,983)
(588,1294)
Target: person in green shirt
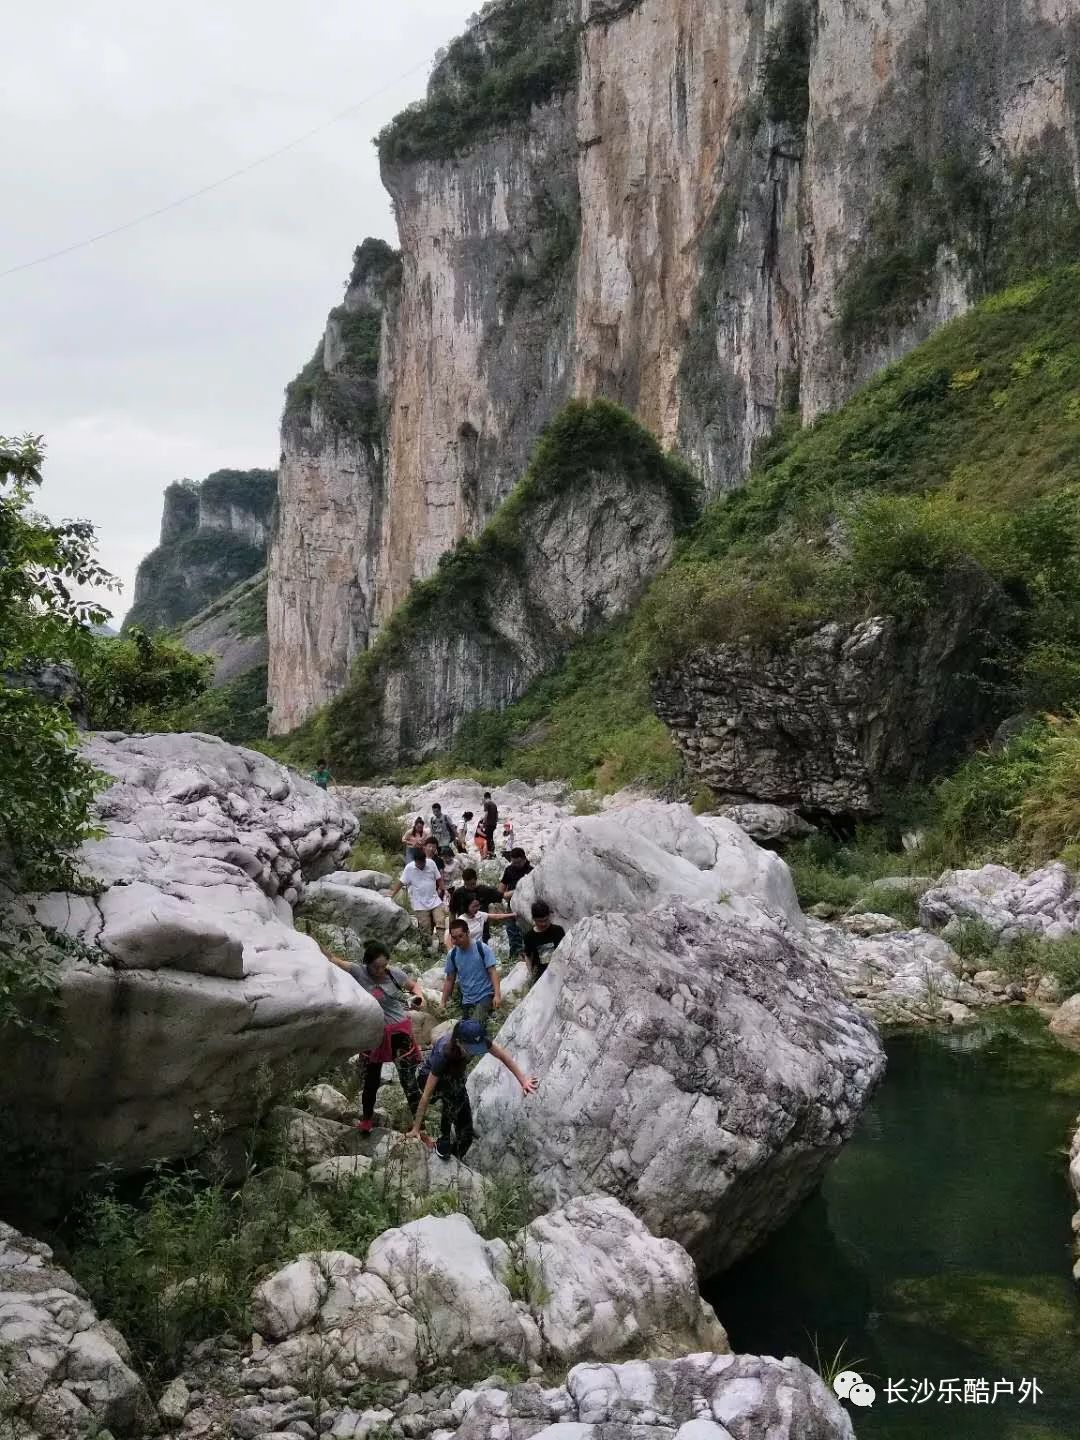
(321,774)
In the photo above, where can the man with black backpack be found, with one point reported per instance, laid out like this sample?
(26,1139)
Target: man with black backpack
(471,964)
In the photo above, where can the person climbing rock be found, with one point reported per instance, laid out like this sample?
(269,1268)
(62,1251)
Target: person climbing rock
(515,872)
(424,884)
(398,994)
(470,889)
(442,830)
(442,1076)
(479,921)
(321,775)
(471,964)
(543,939)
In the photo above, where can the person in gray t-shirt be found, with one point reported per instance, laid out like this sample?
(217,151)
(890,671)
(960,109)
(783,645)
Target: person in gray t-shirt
(398,994)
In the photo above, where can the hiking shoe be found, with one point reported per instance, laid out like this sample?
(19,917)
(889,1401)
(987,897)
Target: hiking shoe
(365,1126)
(444,1148)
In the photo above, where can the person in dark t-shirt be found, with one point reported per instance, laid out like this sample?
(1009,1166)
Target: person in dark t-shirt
(518,868)
(469,889)
(442,1076)
(491,822)
(543,939)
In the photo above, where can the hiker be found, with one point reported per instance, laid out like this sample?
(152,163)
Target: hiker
(543,939)
(508,838)
(424,884)
(463,832)
(516,871)
(398,994)
(442,830)
(471,964)
(470,888)
(413,839)
(480,838)
(490,822)
(446,864)
(479,921)
(321,775)
(443,1078)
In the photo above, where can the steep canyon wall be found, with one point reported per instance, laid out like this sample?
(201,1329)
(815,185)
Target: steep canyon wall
(714,212)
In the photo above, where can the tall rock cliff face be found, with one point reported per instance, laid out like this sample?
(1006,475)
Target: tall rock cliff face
(331,496)
(214,534)
(711,211)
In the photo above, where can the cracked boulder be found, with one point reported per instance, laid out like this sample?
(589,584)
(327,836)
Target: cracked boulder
(700,1397)
(184,988)
(63,1372)
(697,1062)
(586,1281)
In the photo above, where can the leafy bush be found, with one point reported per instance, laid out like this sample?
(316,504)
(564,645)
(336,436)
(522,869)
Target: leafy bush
(141,682)
(786,67)
(522,54)
(237,711)
(374,259)
(176,1260)
(964,457)
(46,788)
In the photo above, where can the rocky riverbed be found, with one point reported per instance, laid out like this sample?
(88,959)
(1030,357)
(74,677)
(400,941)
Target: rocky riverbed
(704,1050)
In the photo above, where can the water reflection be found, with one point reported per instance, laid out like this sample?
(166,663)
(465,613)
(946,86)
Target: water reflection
(940,1246)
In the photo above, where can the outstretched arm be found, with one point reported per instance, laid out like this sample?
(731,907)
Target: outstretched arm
(421,1110)
(527,1083)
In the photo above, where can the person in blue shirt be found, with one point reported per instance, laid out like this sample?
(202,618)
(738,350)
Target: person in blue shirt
(443,1076)
(471,964)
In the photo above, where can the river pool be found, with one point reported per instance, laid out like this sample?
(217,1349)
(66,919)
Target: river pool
(939,1248)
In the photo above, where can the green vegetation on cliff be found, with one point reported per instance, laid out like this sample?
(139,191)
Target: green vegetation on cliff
(522,53)
(585,438)
(965,455)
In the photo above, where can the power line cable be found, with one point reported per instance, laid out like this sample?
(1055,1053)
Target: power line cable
(214,184)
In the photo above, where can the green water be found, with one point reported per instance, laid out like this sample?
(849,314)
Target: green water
(940,1245)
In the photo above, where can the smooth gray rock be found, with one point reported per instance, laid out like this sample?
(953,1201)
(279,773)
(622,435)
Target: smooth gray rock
(367,912)
(646,854)
(193,985)
(702,1066)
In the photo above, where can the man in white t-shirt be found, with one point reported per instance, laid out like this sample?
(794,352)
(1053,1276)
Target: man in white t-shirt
(424,884)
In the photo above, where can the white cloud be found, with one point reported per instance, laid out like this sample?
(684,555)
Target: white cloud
(164,351)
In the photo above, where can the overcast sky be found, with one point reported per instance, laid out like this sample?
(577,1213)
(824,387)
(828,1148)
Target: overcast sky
(163,352)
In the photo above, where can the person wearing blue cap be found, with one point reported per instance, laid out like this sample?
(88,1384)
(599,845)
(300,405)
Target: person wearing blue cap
(443,1078)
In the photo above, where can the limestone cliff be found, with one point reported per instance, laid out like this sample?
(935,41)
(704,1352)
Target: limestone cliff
(710,211)
(571,550)
(320,598)
(214,534)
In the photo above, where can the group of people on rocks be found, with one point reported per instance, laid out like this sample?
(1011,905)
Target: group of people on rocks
(458,916)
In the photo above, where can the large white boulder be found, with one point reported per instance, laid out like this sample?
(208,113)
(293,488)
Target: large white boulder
(700,1065)
(188,987)
(450,1275)
(647,854)
(63,1372)
(699,1397)
(604,1287)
